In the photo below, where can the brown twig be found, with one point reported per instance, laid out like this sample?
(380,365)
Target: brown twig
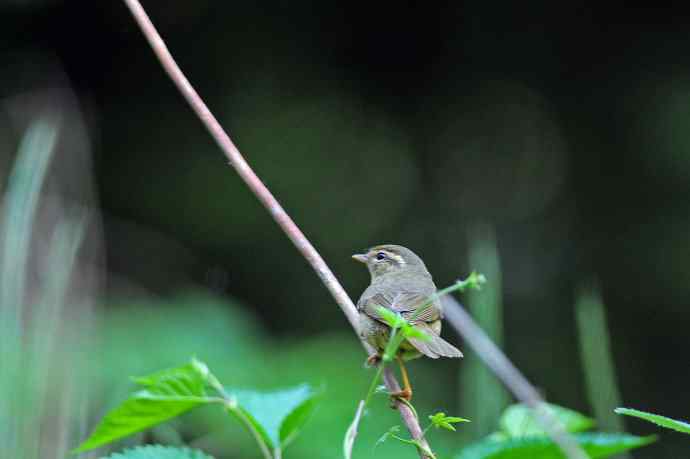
(260,190)
(406,413)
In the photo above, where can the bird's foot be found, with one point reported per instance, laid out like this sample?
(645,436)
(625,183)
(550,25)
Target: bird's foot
(372,360)
(404,396)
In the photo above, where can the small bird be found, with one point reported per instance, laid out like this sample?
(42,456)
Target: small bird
(400,282)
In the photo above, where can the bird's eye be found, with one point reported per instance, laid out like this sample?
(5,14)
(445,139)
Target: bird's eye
(380,256)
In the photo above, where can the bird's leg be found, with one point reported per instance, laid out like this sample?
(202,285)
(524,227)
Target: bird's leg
(373,360)
(406,392)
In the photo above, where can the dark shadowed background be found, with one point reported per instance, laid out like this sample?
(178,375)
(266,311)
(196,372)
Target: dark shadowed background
(562,129)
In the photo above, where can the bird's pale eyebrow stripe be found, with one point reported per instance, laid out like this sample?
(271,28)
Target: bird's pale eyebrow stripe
(397,258)
(394,256)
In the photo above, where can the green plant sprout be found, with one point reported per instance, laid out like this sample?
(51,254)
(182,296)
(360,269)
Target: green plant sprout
(441,421)
(438,420)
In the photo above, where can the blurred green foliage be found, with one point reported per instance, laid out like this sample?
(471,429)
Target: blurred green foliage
(242,355)
(274,418)
(41,372)
(596,445)
(564,127)
(522,436)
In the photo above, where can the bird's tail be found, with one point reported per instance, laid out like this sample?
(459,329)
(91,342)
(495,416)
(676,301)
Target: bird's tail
(435,346)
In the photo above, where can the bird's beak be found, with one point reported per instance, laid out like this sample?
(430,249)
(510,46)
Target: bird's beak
(362,258)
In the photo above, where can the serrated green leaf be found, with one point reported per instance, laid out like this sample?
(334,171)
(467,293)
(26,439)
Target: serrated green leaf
(159,452)
(518,421)
(167,394)
(596,445)
(657,419)
(187,380)
(437,417)
(440,420)
(277,415)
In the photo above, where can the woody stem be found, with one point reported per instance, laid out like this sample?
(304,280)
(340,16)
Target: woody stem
(263,194)
(407,388)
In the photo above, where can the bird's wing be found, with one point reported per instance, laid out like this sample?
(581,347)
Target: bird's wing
(434,346)
(403,302)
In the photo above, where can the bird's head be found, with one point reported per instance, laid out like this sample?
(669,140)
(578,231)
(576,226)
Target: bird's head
(389,258)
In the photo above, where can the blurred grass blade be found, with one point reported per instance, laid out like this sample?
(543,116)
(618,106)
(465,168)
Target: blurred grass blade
(21,201)
(597,361)
(351,434)
(19,209)
(44,330)
(64,245)
(657,419)
(482,396)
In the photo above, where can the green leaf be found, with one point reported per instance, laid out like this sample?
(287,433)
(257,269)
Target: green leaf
(167,394)
(277,416)
(159,452)
(440,420)
(657,419)
(293,423)
(518,421)
(596,445)
(455,419)
(410,331)
(189,379)
(393,319)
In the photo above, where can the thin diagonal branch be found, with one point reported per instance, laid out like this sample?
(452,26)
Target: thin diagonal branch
(406,413)
(260,190)
(237,161)
(511,377)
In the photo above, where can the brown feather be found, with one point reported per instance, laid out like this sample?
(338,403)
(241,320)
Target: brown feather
(405,303)
(402,284)
(435,346)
